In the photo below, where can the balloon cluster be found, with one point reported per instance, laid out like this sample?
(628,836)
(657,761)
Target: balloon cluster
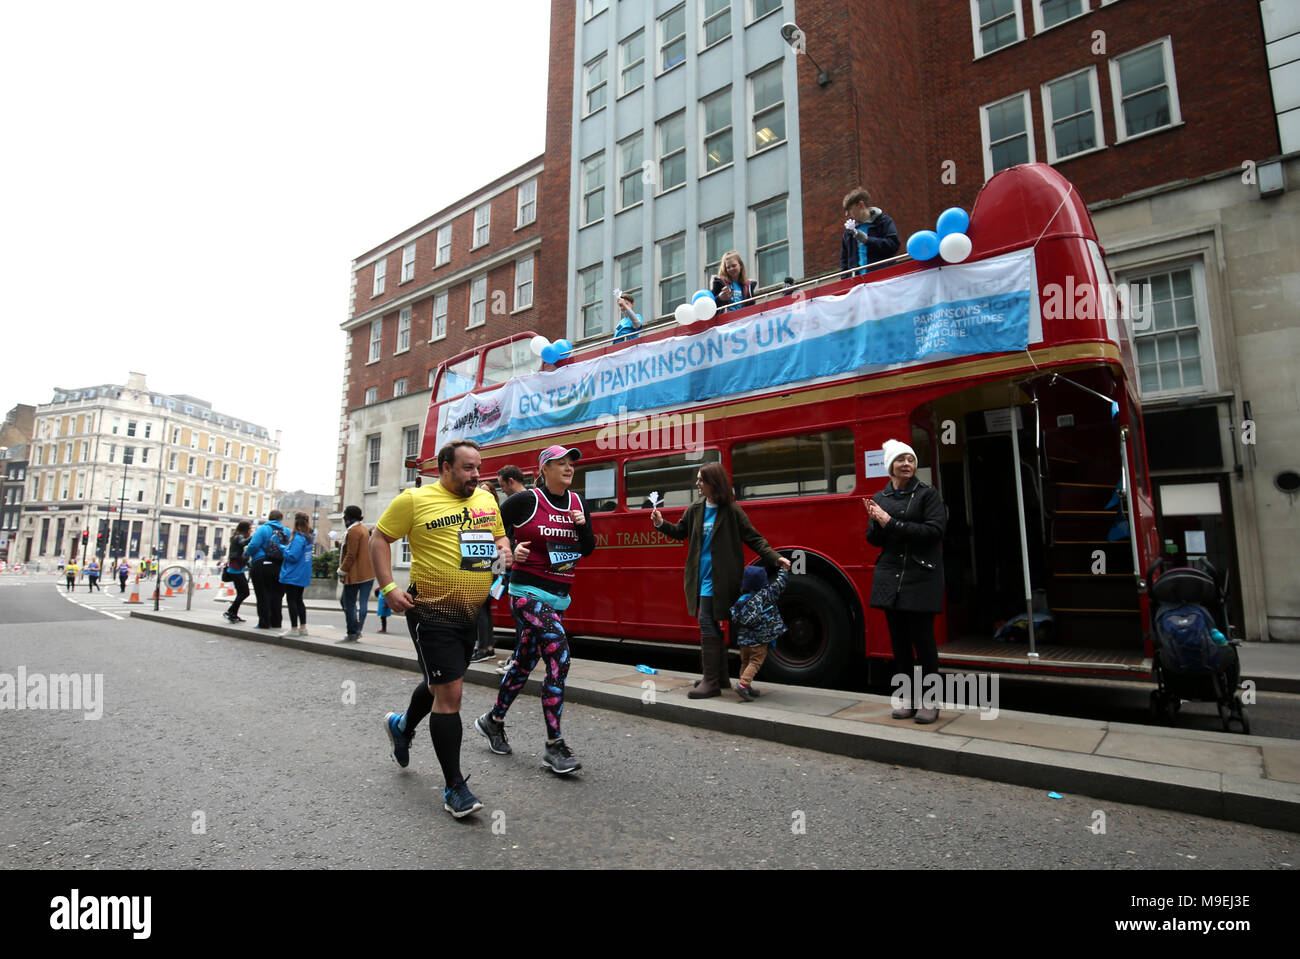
(948,239)
(702,307)
(550,352)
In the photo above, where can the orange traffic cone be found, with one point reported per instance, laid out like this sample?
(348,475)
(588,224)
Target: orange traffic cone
(169,591)
(135,592)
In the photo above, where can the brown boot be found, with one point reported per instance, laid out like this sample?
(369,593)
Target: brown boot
(708,686)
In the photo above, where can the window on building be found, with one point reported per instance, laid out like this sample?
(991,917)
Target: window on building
(716,114)
(112,452)
(192,464)
(187,501)
(672,272)
(148,428)
(171,462)
(482,224)
(631,156)
(1144,90)
(672,151)
(372,461)
(1048,13)
(376,338)
(411,450)
(225,471)
(381,270)
(477,302)
(768,99)
(594,84)
(1072,115)
(438,330)
(631,63)
(593,189)
(130,427)
(593,7)
(408,262)
(399,386)
(672,38)
(207,469)
(524,283)
(372,396)
(1168,345)
(772,239)
(443,254)
(526,203)
(717,238)
(763,7)
(403,552)
(627,277)
(169,493)
(403,330)
(996,24)
(717,20)
(117,424)
(592,290)
(1007,135)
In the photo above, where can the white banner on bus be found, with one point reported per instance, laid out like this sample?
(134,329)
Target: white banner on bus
(965,309)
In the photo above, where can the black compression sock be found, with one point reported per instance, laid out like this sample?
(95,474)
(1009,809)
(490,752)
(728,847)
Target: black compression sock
(421,703)
(445,729)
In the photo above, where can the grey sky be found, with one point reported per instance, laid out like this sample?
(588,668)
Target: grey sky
(185,185)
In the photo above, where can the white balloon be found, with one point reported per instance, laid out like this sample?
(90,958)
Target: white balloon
(685,313)
(538,343)
(954,247)
(705,308)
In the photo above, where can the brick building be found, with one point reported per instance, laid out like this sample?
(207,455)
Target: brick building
(469,274)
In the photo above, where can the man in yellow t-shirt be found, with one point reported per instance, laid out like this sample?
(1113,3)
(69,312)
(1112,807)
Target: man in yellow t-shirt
(455,534)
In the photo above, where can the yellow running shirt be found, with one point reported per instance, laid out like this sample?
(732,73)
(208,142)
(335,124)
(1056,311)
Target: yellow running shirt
(453,544)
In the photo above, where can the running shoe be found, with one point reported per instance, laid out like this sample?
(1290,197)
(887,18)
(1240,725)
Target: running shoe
(459,801)
(505,667)
(559,758)
(479,654)
(401,742)
(495,733)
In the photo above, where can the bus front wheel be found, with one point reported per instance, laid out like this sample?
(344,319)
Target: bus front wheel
(815,649)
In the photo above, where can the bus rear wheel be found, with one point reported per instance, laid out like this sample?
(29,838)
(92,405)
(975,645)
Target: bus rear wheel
(815,649)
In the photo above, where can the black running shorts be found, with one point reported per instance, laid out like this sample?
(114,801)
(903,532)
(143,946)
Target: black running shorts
(443,650)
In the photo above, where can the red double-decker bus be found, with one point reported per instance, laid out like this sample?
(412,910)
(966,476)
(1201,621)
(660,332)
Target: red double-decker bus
(1009,373)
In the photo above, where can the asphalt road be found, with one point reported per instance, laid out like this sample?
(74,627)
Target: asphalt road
(222,753)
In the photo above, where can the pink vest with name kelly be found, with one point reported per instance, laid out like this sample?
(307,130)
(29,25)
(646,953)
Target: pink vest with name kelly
(552,540)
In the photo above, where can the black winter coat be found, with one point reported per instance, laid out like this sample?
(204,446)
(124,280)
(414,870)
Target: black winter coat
(882,242)
(909,570)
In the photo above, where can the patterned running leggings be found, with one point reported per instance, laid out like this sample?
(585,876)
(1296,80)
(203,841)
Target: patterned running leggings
(540,634)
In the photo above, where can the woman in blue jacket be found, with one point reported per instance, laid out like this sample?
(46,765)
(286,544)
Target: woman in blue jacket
(295,572)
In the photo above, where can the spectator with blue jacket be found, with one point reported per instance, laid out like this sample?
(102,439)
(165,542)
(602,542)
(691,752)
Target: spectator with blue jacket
(629,323)
(295,572)
(265,569)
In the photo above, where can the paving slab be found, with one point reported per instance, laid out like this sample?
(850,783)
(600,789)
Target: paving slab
(1027,733)
(1282,763)
(662,682)
(1241,760)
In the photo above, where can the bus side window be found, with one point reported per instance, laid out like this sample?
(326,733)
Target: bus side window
(594,482)
(672,477)
(816,464)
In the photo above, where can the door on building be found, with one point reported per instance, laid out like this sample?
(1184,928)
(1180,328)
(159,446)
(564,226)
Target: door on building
(1194,516)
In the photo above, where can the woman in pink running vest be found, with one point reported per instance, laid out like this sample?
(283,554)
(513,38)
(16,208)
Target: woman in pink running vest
(549,526)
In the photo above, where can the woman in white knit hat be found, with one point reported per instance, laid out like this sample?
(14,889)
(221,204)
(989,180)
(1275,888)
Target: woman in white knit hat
(907,520)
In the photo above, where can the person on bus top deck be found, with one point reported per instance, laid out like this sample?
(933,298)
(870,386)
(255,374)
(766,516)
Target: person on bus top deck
(629,322)
(907,520)
(551,531)
(869,233)
(714,528)
(732,284)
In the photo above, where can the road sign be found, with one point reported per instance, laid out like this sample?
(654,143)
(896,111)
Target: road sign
(176,580)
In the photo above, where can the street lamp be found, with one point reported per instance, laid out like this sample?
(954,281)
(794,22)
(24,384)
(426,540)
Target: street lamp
(798,41)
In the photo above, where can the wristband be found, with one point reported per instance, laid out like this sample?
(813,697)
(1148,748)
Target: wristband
(388,589)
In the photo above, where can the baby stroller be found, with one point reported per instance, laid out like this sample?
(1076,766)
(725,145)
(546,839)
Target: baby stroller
(1194,658)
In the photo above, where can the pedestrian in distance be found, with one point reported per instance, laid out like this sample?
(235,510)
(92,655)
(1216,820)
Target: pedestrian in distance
(123,571)
(356,572)
(758,624)
(236,564)
(455,535)
(265,553)
(70,572)
(714,529)
(869,233)
(907,521)
(732,285)
(295,572)
(551,533)
(92,574)
(382,610)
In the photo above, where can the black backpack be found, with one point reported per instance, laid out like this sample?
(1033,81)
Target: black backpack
(272,550)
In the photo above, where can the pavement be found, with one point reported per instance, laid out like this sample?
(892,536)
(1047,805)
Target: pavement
(1225,775)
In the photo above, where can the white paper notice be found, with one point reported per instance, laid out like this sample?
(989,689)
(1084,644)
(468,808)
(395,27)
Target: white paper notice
(1194,539)
(876,463)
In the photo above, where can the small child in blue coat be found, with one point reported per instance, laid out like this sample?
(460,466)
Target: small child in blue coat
(757,623)
(382,611)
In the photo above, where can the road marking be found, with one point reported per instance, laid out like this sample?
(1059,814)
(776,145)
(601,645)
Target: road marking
(93,609)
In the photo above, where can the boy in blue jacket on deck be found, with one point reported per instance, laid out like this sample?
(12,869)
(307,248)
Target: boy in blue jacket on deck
(757,623)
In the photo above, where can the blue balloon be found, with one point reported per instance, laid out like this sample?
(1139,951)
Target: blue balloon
(549,353)
(952,220)
(563,347)
(700,293)
(923,245)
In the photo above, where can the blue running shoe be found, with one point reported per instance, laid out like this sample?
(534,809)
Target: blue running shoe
(459,801)
(401,742)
